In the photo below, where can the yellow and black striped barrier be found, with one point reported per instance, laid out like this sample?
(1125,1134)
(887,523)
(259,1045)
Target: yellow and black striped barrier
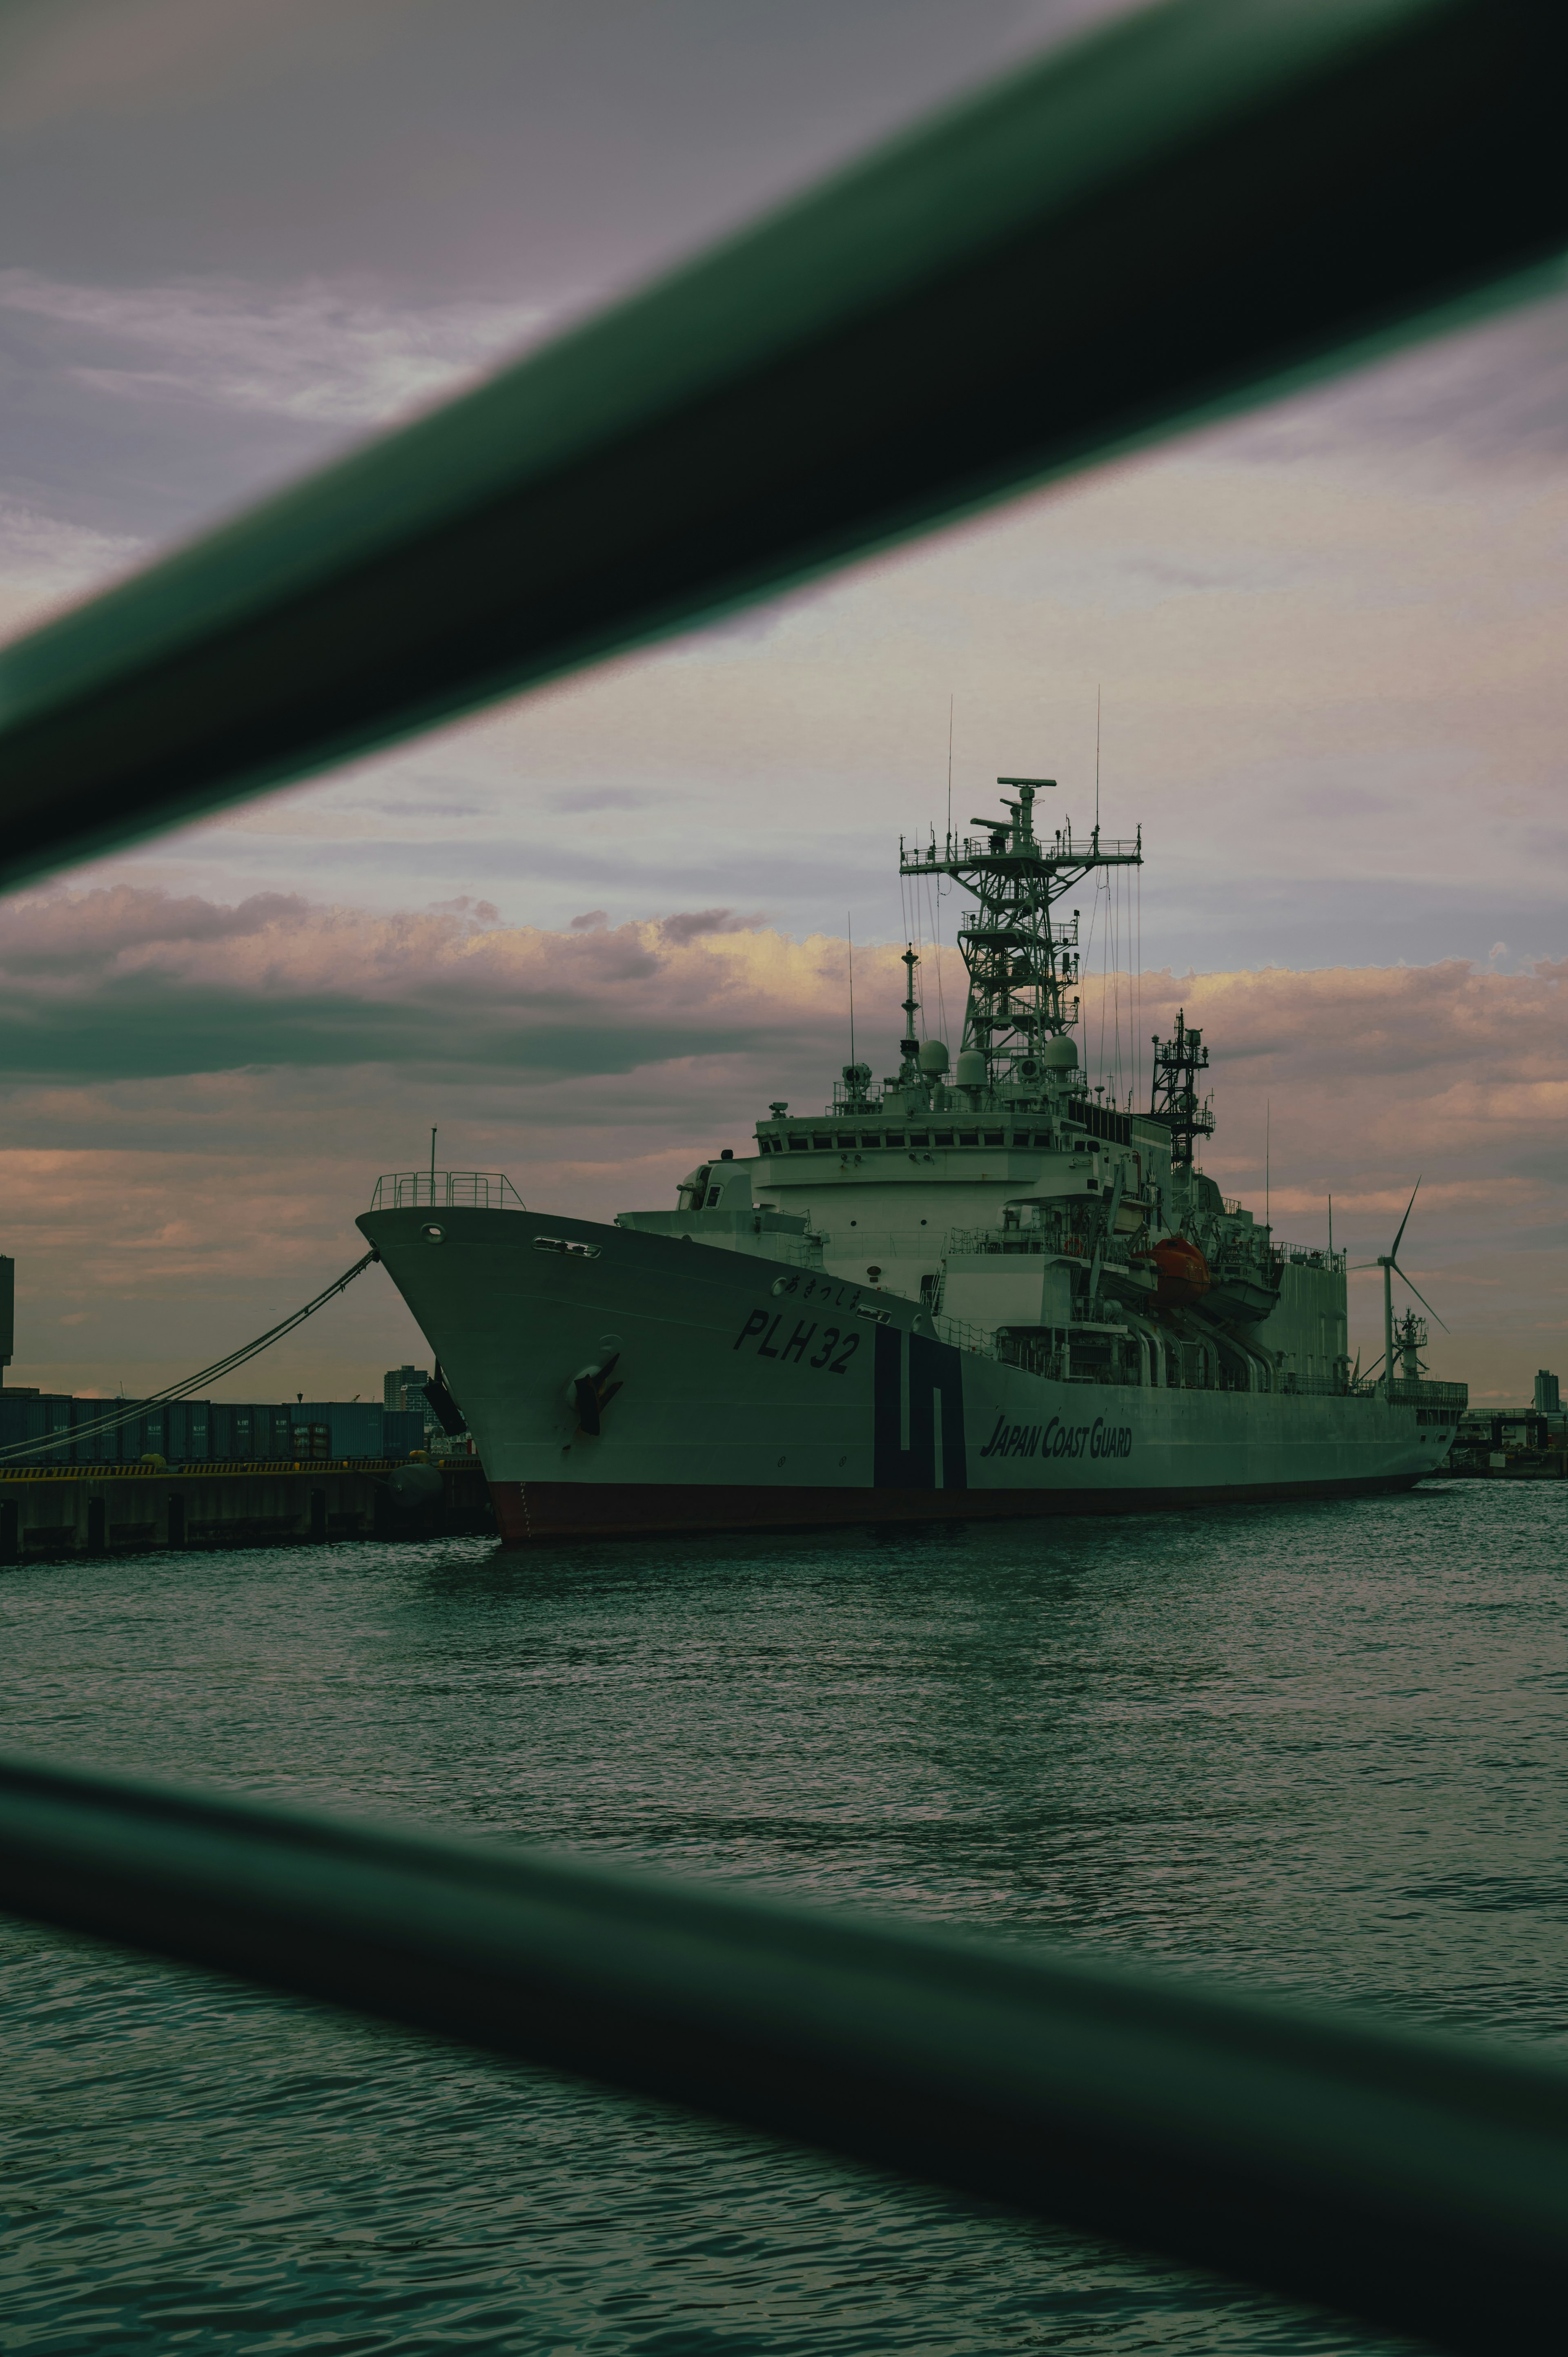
(197,1470)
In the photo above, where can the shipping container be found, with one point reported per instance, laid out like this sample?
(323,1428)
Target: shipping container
(217,1432)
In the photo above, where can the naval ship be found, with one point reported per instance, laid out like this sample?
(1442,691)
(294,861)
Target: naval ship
(959,1294)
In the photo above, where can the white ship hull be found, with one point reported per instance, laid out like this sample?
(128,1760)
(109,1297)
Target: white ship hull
(745,1395)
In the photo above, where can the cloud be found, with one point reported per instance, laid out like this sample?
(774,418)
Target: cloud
(91,936)
(322,353)
(197,1096)
(138,982)
(1332,696)
(102,59)
(1494,396)
(695,924)
(451,140)
(601,798)
(50,556)
(129,983)
(478,912)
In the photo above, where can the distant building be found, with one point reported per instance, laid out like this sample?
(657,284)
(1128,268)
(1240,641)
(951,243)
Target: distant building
(404,1387)
(1548,1400)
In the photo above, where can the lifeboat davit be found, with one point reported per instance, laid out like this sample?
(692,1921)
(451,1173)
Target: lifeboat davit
(1182,1270)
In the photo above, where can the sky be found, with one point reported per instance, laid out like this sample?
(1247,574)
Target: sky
(591,932)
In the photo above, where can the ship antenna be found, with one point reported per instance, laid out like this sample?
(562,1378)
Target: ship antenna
(950,773)
(1268,1119)
(1097,692)
(433,1166)
(849,927)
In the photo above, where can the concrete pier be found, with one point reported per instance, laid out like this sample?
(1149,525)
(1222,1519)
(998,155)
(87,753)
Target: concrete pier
(124,1510)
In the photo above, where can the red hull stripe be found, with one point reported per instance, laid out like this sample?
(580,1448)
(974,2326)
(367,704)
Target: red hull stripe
(562,1509)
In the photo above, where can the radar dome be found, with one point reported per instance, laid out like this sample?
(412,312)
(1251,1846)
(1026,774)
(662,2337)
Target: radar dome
(933,1056)
(1060,1055)
(970,1072)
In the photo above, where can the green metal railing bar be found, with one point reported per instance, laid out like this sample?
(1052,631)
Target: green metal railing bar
(1155,221)
(1402,2177)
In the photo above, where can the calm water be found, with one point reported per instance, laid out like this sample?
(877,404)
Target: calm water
(1311,1747)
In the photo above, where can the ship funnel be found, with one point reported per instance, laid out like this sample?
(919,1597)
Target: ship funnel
(933,1057)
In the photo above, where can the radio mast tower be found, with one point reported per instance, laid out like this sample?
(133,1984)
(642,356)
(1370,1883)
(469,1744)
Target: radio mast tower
(1023,965)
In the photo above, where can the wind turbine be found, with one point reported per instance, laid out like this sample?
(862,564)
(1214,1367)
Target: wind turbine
(1389,1262)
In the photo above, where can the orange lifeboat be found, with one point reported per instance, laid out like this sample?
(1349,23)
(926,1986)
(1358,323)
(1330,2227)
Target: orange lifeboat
(1182,1270)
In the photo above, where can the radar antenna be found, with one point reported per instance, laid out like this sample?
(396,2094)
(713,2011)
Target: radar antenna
(1410,1341)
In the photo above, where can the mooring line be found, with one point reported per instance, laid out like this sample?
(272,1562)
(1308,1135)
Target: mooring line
(103,1424)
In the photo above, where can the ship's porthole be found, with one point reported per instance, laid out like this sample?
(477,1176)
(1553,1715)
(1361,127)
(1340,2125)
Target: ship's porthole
(433,1235)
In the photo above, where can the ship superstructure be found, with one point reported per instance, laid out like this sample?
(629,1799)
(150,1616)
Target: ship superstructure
(985,1290)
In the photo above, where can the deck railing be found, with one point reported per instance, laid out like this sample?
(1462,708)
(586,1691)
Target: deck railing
(1069,849)
(446,1190)
(1410,1392)
(1001,1240)
(1308,1256)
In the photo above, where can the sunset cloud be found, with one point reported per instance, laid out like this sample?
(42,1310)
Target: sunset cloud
(199,1096)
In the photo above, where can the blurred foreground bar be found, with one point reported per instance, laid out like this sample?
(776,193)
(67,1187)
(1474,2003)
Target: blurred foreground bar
(1154,222)
(1410,2180)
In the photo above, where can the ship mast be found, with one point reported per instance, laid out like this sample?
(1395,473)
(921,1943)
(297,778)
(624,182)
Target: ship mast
(910,1046)
(1023,965)
(1174,1098)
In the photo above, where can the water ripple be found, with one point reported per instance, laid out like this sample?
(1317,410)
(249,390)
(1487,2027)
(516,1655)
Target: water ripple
(1315,1747)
